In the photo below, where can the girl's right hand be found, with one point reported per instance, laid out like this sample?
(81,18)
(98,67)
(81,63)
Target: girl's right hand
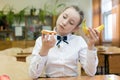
(48,41)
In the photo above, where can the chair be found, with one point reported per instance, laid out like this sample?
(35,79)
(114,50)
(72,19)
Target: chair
(100,67)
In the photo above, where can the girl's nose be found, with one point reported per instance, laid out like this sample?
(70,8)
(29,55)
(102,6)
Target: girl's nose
(65,22)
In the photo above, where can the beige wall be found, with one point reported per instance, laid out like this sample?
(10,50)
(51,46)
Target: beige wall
(85,5)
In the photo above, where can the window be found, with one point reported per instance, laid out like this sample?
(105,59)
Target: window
(108,27)
(107,20)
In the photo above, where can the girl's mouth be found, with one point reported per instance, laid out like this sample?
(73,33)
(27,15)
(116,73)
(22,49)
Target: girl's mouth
(61,27)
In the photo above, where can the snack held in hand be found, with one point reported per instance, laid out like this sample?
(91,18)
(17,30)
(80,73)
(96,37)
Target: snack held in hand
(100,28)
(48,32)
(85,28)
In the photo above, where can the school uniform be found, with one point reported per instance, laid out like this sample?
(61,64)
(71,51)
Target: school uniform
(62,59)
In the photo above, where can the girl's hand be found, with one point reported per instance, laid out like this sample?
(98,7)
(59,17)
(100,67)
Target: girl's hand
(93,37)
(48,41)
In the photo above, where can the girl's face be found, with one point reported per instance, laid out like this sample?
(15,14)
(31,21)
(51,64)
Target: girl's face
(67,21)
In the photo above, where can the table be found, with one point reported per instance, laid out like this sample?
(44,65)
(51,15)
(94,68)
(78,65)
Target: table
(97,77)
(106,59)
(22,56)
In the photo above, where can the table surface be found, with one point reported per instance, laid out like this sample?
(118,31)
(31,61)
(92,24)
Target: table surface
(97,77)
(22,54)
(109,53)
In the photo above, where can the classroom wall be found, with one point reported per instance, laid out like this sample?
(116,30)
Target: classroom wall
(85,5)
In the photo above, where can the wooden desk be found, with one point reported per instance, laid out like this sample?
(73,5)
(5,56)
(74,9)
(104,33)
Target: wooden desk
(106,59)
(22,56)
(99,77)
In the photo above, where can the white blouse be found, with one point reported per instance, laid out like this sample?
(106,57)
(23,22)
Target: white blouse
(62,61)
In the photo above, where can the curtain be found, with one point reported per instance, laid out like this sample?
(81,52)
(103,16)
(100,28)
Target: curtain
(96,4)
(116,22)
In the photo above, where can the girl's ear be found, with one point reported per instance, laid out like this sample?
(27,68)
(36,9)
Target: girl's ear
(76,28)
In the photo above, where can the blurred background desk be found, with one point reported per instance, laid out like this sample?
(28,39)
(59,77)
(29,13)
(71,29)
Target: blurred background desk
(111,61)
(22,56)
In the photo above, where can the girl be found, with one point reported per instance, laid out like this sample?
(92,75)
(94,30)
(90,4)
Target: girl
(60,53)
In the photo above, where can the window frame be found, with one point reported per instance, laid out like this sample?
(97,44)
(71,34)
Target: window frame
(105,22)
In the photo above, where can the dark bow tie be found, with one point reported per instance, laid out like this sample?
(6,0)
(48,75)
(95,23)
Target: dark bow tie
(61,38)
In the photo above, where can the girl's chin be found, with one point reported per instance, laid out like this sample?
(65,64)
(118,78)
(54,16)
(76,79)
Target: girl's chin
(61,33)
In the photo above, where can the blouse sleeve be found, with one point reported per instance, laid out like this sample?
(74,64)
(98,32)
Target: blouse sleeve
(88,59)
(37,62)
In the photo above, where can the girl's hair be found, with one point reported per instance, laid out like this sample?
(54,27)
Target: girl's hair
(79,11)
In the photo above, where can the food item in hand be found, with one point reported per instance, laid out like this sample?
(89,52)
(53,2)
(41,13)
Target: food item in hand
(85,28)
(48,32)
(100,28)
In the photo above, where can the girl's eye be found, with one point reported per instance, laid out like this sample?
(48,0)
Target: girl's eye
(71,22)
(64,16)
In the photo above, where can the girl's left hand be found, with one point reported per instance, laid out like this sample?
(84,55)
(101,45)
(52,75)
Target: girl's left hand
(93,37)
